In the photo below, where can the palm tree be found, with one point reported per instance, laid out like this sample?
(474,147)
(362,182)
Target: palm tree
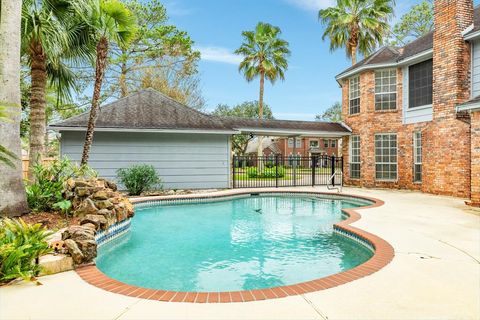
(110,20)
(265,56)
(51,35)
(357,25)
(12,191)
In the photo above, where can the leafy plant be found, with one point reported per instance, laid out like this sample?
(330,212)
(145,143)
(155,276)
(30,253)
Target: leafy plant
(139,178)
(45,194)
(64,206)
(21,245)
(271,172)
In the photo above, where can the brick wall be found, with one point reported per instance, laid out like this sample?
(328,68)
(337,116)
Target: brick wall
(447,162)
(370,122)
(445,140)
(475,165)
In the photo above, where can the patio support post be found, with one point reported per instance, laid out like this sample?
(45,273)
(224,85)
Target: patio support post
(314,165)
(276,171)
(294,161)
(333,170)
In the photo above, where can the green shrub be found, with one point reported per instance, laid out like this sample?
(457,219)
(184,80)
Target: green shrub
(45,192)
(21,245)
(272,172)
(139,178)
(270,164)
(252,172)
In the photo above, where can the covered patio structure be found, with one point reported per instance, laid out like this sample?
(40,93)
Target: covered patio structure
(189,149)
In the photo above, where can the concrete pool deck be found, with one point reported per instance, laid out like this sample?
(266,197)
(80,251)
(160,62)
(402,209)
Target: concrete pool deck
(435,274)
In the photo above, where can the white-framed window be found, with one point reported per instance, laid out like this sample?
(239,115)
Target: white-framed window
(325,143)
(333,143)
(386,89)
(290,142)
(354,95)
(298,142)
(417,156)
(354,157)
(386,156)
(314,144)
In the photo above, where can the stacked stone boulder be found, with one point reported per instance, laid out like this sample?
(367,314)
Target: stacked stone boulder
(99,205)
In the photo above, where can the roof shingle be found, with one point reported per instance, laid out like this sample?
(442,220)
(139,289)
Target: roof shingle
(150,109)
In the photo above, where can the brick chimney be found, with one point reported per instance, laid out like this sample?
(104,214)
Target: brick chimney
(451,55)
(447,140)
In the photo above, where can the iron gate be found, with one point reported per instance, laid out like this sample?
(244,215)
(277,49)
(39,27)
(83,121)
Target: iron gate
(280,171)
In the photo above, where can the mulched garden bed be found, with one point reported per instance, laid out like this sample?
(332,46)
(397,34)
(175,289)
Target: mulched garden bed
(51,220)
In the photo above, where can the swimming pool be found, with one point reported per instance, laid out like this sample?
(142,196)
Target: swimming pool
(245,243)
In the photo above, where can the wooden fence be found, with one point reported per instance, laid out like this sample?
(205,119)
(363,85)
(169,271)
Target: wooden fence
(25,163)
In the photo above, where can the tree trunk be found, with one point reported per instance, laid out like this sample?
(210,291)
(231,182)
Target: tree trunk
(123,78)
(354,55)
(260,112)
(38,74)
(102,52)
(12,191)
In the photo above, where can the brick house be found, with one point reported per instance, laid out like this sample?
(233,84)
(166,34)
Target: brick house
(414,111)
(308,146)
(304,147)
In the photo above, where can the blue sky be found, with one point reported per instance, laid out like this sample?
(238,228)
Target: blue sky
(216,26)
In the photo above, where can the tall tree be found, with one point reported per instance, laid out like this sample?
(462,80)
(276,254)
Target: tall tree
(332,114)
(357,25)
(177,85)
(12,191)
(156,46)
(51,34)
(247,109)
(414,24)
(110,21)
(264,56)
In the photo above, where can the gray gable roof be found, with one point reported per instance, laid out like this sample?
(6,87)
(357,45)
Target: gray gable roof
(476,22)
(151,110)
(393,55)
(147,109)
(292,125)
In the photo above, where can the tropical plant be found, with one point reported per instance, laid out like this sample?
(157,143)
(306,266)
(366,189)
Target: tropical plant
(414,24)
(265,56)
(52,34)
(332,114)
(110,21)
(21,245)
(139,178)
(12,193)
(357,25)
(247,109)
(46,193)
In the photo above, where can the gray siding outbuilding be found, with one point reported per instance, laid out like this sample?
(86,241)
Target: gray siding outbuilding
(183,161)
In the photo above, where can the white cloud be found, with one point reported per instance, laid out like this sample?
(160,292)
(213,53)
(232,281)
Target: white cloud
(312,5)
(177,9)
(219,54)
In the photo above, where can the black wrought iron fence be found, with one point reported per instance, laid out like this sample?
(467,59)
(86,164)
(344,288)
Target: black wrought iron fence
(280,171)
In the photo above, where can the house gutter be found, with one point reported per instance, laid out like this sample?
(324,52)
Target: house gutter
(469,107)
(198,131)
(292,132)
(415,58)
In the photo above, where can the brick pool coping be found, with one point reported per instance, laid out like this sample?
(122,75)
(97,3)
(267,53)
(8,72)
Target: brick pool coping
(383,255)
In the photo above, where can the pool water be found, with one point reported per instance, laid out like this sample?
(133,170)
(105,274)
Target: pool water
(245,243)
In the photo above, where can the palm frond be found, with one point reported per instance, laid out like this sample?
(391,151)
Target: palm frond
(7,157)
(263,52)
